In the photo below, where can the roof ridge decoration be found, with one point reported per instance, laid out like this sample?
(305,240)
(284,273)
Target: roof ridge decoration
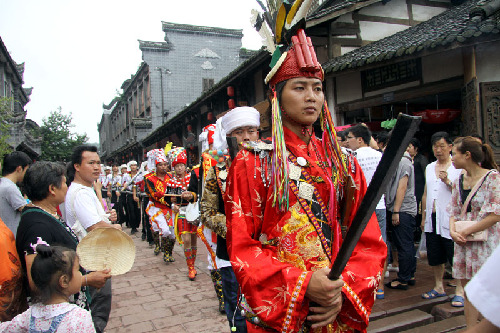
(188,28)
(156,46)
(458,24)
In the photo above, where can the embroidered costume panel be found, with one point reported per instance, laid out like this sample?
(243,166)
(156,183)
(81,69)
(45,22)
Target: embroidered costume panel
(274,252)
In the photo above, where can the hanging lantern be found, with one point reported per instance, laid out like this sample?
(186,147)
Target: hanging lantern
(231,104)
(210,116)
(230,91)
(189,128)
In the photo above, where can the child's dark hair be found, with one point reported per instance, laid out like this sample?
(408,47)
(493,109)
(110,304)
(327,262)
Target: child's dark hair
(48,266)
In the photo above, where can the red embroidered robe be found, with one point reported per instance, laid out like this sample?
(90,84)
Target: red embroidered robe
(274,275)
(155,188)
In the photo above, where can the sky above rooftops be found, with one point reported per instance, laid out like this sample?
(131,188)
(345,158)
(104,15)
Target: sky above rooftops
(77,54)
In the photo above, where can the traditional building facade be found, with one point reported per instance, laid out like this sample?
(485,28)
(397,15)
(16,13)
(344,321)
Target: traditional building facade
(380,58)
(444,69)
(173,74)
(23,132)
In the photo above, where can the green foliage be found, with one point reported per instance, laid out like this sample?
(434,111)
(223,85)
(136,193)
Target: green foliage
(5,116)
(58,140)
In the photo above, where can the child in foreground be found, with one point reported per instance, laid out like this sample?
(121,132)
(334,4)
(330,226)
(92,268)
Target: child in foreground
(55,272)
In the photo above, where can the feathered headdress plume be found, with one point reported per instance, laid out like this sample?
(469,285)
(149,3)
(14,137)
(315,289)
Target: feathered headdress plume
(281,26)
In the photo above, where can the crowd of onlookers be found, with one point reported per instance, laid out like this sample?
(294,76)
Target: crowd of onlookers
(422,204)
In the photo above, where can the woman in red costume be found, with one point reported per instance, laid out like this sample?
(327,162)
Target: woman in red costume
(287,206)
(181,189)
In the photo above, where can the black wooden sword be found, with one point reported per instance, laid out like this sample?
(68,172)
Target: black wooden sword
(403,132)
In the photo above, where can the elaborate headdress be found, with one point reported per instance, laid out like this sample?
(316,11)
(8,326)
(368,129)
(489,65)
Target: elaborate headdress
(237,117)
(207,136)
(178,155)
(293,56)
(155,156)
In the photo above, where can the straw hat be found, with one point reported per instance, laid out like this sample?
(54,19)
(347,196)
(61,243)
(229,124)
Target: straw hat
(107,248)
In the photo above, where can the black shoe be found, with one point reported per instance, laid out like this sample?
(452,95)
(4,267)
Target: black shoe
(133,231)
(396,284)
(412,282)
(143,237)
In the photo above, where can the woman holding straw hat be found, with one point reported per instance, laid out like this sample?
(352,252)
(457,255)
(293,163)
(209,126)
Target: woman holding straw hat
(45,185)
(284,205)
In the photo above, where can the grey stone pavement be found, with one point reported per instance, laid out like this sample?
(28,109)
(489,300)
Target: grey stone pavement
(158,297)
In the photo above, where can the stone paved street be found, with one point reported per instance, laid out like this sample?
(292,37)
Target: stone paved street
(158,297)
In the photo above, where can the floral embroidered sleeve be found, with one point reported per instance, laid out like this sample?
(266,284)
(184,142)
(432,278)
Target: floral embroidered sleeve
(273,289)
(363,271)
(491,196)
(455,206)
(209,205)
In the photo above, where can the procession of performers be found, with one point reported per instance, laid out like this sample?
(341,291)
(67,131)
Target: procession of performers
(273,218)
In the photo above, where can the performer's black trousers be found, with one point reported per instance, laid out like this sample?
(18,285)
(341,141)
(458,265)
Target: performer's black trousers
(134,219)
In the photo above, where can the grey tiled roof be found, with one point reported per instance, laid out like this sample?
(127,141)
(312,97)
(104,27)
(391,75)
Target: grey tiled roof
(329,7)
(459,24)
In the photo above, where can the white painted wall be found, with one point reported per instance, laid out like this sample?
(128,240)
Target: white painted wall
(423,13)
(488,62)
(348,87)
(344,50)
(395,9)
(345,18)
(442,66)
(373,31)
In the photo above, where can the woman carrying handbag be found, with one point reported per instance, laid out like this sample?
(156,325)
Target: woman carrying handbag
(474,211)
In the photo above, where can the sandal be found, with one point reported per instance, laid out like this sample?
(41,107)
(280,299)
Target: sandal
(396,284)
(457,301)
(379,294)
(432,294)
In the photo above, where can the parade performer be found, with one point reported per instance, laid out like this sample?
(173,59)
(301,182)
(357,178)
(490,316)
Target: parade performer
(129,181)
(182,186)
(208,236)
(123,215)
(140,196)
(285,203)
(242,123)
(114,182)
(159,210)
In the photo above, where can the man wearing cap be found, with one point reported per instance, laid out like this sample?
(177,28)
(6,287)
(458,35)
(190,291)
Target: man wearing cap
(182,187)
(283,205)
(243,124)
(158,209)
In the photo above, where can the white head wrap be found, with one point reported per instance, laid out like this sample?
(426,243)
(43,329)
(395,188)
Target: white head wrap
(131,163)
(237,117)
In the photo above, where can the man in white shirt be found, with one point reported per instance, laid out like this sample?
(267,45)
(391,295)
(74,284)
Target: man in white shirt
(358,139)
(439,178)
(84,213)
(12,202)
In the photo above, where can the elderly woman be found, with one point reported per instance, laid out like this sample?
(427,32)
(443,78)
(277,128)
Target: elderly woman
(479,191)
(45,186)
